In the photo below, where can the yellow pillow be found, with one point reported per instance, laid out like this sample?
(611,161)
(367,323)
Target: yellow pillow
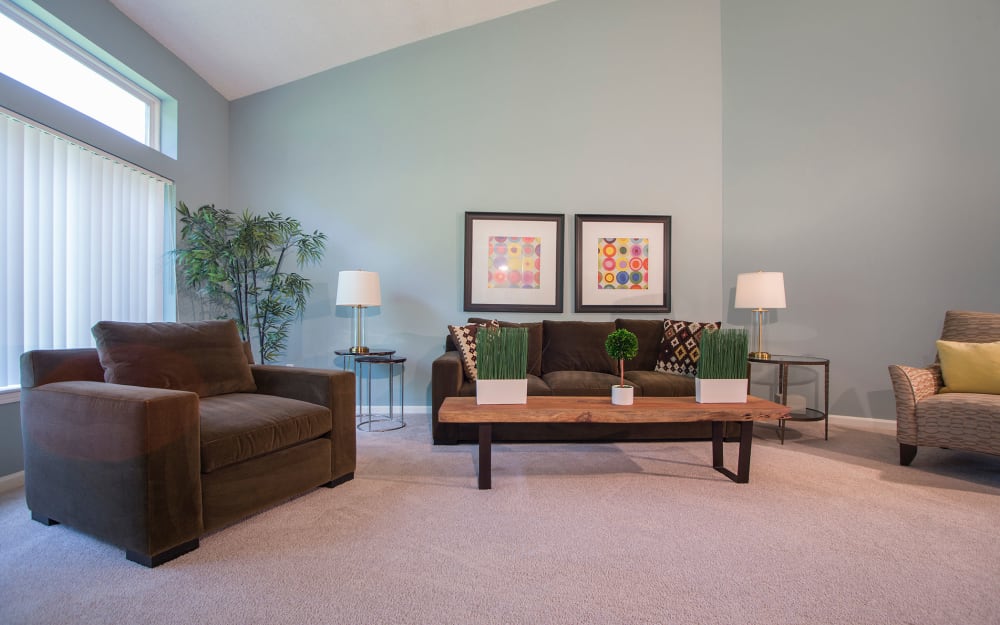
(970,367)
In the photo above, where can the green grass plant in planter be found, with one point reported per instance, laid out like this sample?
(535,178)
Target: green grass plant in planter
(622,345)
(502,365)
(722,366)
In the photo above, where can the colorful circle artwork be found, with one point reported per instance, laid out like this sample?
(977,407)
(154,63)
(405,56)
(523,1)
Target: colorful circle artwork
(514,262)
(623,263)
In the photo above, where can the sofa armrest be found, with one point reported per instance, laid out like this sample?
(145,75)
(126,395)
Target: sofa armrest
(120,462)
(325,387)
(910,385)
(447,377)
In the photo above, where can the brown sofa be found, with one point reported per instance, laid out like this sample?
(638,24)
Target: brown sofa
(200,438)
(568,358)
(927,417)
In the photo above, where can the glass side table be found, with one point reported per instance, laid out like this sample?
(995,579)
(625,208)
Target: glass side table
(383,422)
(351,363)
(811,414)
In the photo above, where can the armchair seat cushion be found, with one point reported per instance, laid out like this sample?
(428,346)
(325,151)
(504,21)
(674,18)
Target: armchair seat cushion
(241,426)
(965,416)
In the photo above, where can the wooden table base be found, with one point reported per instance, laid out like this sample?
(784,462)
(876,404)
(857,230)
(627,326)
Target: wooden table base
(742,475)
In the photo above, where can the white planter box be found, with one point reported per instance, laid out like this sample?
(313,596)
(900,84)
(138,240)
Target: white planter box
(720,391)
(502,391)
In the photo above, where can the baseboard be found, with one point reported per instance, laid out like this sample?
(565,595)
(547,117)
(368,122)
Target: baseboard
(11,482)
(887,423)
(407,410)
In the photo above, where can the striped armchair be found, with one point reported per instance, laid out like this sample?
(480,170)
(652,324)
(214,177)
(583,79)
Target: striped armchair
(924,416)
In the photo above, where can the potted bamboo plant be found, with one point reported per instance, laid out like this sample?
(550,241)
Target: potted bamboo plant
(502,366)
(622,345)
(722,367)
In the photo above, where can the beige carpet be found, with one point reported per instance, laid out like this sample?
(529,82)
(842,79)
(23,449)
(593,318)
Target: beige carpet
(825,532)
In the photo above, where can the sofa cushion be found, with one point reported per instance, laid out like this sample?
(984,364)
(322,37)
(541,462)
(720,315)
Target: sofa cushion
(464,338)
(970,367)
(204,357)
(587,383)
(660,383)
(577,346)
(679,349)
(240,426)
(650,335)
(534,340)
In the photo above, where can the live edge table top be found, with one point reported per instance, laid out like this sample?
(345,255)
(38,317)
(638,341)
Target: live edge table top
(563,409)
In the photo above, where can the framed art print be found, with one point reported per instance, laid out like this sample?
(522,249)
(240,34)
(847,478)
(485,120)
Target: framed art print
(622,263)
(513,262)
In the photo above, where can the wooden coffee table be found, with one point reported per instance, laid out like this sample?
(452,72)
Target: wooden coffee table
(554,409)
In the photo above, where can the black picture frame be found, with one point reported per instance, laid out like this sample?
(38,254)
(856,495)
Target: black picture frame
(600,289)
(486,291)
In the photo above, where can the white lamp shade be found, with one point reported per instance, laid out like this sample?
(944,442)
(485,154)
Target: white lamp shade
(358,288)
(761,289)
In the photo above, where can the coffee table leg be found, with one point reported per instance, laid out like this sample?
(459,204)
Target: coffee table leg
(717,429)
(742,475)
(485,461)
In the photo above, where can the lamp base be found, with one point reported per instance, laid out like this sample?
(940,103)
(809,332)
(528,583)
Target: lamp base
(760,355)
(360,349)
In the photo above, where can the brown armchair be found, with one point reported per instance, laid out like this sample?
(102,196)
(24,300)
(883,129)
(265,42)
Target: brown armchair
(166,432)
(927,417)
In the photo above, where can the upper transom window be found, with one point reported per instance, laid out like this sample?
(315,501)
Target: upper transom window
(36,55)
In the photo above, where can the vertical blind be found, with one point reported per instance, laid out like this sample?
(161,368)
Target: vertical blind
(86,237)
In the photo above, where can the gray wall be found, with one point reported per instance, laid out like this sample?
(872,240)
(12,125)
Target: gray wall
(579,106)
(861,151)
(201,167)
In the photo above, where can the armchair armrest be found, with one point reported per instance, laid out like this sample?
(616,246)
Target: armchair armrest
(447,377)
(120,462)
(325,387)
(910,385)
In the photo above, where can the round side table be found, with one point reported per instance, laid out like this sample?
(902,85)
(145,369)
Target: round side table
(383,422)
(811,414)
(351,363)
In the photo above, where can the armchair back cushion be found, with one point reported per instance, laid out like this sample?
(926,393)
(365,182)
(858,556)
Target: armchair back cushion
(204,357)
(971,327)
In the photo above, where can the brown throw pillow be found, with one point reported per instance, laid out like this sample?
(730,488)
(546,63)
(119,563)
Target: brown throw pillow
(464,338)
(205,357)
(679,349)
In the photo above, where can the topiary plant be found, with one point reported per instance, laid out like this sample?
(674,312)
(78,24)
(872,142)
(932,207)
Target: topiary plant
(622,345)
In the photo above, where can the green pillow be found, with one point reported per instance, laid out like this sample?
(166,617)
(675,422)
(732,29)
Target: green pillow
(970,367)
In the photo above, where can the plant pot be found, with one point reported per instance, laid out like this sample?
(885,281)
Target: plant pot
(621,395)
(720,391)
(502,391)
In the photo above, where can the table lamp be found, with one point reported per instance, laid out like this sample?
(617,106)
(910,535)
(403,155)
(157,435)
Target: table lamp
(358,289)
(760,291)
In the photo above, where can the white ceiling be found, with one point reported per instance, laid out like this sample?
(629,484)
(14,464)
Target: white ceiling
(244,46)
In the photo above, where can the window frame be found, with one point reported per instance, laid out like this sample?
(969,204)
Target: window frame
(154,105)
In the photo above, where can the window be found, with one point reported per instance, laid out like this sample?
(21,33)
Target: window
(34,54)
(84,237)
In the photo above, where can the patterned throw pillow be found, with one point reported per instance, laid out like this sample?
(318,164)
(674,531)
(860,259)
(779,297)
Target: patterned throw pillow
(679,349)
(465,341)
